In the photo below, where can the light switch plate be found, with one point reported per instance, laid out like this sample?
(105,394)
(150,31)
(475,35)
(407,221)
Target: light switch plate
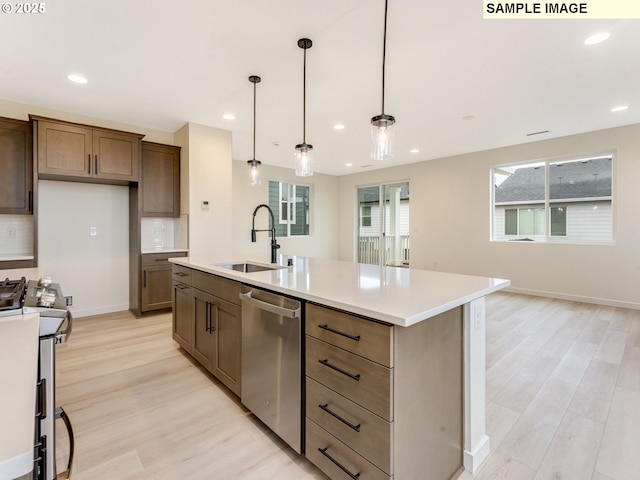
(93,231)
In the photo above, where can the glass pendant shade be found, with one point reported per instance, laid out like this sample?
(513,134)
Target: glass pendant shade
(382,137)
(304,160)
(253,177)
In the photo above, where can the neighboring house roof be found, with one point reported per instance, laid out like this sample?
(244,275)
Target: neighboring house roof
(582,179)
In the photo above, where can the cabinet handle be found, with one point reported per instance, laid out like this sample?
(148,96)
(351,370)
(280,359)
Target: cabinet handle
(42,398)
(89,162)
(30,201)
(207,318)
(328,329)
(323,451)
(326,363)
(180,274)
(96,164)
(144,282)
(181,287)
(325,407)
(215,309)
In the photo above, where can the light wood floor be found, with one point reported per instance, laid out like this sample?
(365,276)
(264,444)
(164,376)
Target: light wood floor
(563,401)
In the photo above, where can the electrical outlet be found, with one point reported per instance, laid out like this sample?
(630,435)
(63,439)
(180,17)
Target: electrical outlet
(11,232)
(68,300)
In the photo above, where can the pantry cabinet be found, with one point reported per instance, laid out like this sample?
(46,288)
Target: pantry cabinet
(75,152)
(159,180)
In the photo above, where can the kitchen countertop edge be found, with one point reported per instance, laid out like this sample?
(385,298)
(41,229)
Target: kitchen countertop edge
(427,306)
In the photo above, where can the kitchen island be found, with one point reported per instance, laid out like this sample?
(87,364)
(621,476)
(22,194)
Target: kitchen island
(430,380)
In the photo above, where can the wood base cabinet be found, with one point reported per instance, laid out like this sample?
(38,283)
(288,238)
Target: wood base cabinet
(155,284)
(212,330)
(182,318)
(384,401)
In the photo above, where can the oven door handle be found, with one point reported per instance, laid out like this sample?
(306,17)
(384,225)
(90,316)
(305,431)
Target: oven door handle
(61,335)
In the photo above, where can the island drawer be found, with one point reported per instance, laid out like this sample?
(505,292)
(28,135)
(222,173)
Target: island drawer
(367,383)
(228,290)
(366,433)
(181,274)
(363,337)
(336,459)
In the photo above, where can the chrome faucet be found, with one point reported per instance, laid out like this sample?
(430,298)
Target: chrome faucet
(274,244)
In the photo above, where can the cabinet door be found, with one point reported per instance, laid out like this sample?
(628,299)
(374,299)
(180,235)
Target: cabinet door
(204,338)
(116,155)
(182,316)
(227,355)
(160,180)
(16,165)
(64,149)
(156,287)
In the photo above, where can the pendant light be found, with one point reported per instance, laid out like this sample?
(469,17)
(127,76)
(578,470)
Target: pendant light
(304,151)
(254,171)
(382,126)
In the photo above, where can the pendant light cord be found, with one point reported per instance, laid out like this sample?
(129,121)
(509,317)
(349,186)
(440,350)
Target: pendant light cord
(254,121)
(304,98)
(384,51)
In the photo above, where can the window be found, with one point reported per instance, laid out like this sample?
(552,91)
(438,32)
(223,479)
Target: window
(561,201)
(290,205)
(365,216)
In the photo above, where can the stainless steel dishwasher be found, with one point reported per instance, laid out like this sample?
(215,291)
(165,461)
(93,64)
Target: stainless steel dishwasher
(272,362)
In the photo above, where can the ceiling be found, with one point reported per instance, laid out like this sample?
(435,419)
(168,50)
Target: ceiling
(455,83)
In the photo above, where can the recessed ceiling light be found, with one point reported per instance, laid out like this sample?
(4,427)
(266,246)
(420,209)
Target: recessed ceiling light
(339,126)
(597,38)
(229,116)
(620,108)
(348,164)
(414,150)
(74,77)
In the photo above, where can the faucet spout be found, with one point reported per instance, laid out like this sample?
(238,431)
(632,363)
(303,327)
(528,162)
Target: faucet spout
(274,243)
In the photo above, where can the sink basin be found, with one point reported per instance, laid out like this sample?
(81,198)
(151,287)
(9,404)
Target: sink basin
(247,267)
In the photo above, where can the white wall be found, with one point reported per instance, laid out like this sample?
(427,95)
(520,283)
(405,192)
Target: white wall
(94,269)
(322,241)
(206,175)
(450,221)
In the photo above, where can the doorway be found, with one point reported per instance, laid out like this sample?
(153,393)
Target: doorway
(383,224)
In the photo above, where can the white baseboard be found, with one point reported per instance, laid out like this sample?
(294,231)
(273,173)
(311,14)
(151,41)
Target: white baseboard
(87,312)
(575,298)
(472,460)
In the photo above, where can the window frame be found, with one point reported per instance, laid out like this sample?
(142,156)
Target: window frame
(550,203)
(288,198)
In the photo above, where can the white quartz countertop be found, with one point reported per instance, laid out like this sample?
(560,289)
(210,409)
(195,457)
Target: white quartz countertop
(400,296)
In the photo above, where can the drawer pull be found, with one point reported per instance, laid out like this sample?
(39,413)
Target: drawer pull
(182,287)
(323,451)
(325,407)
(181,274)
(328,329)
(326,363)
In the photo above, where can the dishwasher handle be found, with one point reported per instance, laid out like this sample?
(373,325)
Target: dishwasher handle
(270,307)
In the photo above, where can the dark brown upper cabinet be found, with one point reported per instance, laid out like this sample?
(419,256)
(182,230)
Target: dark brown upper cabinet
(160,180)
(16,165)
(81,153)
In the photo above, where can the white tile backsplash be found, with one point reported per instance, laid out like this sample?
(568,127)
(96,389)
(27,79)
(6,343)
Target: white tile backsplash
(16,235)
(163,233)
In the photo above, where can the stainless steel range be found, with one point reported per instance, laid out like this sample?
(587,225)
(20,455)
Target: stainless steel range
(45,298)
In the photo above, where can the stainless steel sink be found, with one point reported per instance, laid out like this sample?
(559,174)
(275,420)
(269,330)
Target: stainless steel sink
(247,267)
